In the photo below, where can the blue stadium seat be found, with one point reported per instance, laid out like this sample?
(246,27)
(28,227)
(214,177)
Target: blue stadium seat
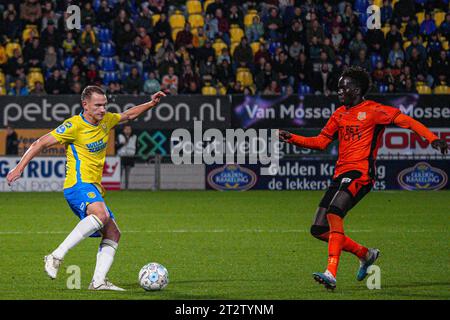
(96,5)
(361,5)
(382,88)
(110,77)
(374,58)
(68,62)
(107,49)
(304,89)
(108,64)
(104,35)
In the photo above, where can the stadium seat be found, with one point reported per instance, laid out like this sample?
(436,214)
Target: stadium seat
(423,89)
(420,16)
(2,79)
(406,44)
(445,45)
(175,32)
(304,89)
(193,7)
(155,19)
(218,45)
(11,47)
(386,30)
(233,46)
(442,90)
(104,35)
(206,4)
(158,45)
(2,91)
(110,77)
(439,17)
(196,20)
(68,62)
(236,34)
(382,88)
(177,21)
(33,77)
(361,5)
(255,47)
(3,56)
(107,49)
(374,58)
(248,19)
(29,30)
(209,91)
(245,78)
(108,64)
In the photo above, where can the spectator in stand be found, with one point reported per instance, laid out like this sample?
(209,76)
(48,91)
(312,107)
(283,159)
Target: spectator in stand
(69,44)
(18,89)
(356,45)
(38,89)
(33,52)
(235,16)
(162,29)
(412,29)
(56,84)
(30,12)
(133,83)
(428,26)
(272,89)
(362,61)
(88,14)
(386,12)
(255,30)
(404,10)
(265,77)
(105,14)
(225,72)
(274,25)
(415,44)
(184,37)
(151,85)
(444,28)
(126,150)
(51,59)
(395,53)
(170,80)
(243,54)
(393,36)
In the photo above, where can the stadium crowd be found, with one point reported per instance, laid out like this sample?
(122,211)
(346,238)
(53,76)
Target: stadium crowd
(219,47)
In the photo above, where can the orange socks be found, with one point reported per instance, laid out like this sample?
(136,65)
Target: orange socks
(335,242)
(354,247)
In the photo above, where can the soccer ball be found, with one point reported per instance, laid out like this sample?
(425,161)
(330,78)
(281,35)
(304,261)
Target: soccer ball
(153,276)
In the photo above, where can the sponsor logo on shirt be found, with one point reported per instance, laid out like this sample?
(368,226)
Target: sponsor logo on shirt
(61,129)
(96,146)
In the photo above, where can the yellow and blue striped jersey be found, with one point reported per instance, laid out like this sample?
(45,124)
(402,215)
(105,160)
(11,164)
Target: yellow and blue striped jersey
(85,147)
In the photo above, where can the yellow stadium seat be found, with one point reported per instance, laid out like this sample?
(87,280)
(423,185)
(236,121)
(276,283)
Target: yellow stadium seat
(11,47)
(252,11)
(30,29)
(193,6)
(34,77)
(248,19)
(245,78)
(3,56)
(439,17)
(218,45)
(196,20)
(236,34)
(2,79)
(378,3)
(177,21)
(2,91)
(423,89)
(442,90)
(155,18)
(158,45)
(255,47)
(209,91)
(406,44)
(445,45)
(386,30)
(420,16)
(233,46)
(403,27)
(222,90)
(175,32)
(206,4)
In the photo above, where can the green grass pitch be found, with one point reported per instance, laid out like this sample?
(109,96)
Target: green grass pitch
(224,245)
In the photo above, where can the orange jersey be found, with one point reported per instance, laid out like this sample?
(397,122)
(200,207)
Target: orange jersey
(359,130)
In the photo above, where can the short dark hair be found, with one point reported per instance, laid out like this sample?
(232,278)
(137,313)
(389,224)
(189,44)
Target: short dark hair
(360,76)
(89,91)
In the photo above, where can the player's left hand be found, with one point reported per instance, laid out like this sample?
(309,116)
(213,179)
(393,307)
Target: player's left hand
(157,96)
(440,144)
(13,175)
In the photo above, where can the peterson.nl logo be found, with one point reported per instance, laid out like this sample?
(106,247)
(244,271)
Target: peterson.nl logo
(422,177)
(232,177)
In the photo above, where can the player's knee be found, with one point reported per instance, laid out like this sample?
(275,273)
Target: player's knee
(103,216)
(319,231)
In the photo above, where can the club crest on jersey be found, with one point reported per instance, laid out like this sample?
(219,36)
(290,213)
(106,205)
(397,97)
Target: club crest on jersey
(361,116)
(61,129)
(104,127)
(68,124)
(91,195)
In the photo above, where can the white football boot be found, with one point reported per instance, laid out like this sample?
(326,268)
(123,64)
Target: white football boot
(106,285)
(52,265)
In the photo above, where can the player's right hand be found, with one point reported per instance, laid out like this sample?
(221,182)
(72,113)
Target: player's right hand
(13,175)
(284,135)
(440,144)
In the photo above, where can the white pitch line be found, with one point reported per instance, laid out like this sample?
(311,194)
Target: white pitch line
(218,231)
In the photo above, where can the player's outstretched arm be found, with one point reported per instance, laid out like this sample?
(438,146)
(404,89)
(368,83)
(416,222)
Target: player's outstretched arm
(407,122)
(136,111)
(319,142)
(42,143)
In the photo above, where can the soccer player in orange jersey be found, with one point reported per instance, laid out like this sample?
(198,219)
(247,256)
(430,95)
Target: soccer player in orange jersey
(359,125)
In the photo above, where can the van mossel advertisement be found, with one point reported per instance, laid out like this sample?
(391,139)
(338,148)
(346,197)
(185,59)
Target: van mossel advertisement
(317,175)
(48,174)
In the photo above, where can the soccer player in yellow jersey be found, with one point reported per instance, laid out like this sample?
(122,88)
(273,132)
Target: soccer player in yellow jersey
(86,136)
